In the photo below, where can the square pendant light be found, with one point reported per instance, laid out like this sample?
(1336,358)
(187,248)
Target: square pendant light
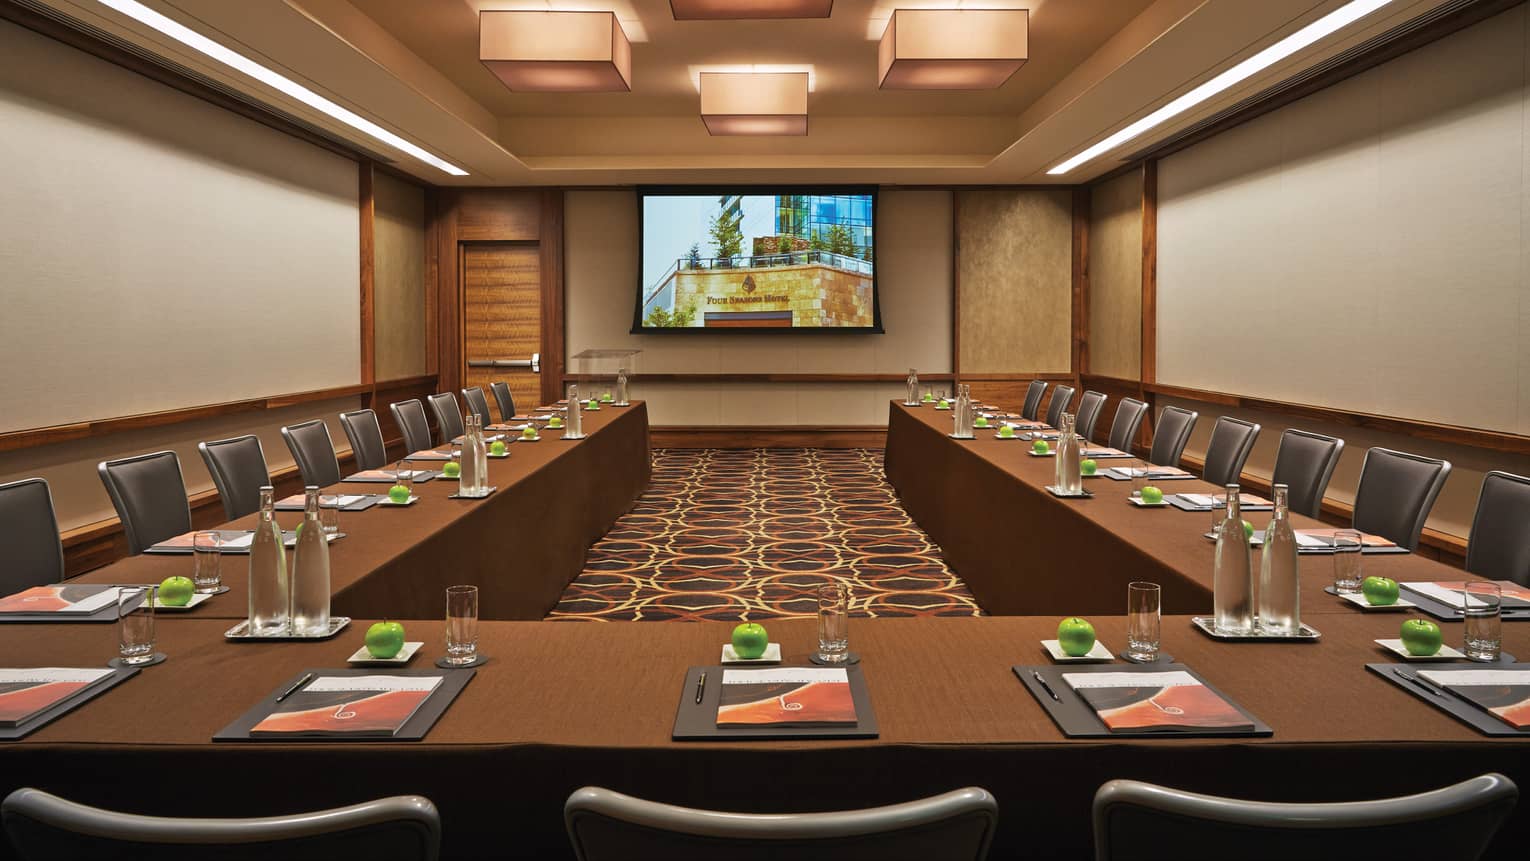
(953,49)
(723,10)
(556,52)
(754,103)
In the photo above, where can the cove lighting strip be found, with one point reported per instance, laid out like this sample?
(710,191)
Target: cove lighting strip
(1317,30)
(240,63)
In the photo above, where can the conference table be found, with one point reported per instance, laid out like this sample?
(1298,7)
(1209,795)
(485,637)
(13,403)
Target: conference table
(1023,551)
(522,545)
(562,705)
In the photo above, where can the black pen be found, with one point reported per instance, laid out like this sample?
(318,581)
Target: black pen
(295,685)
(1046,687)
(1419,683)
(701,685)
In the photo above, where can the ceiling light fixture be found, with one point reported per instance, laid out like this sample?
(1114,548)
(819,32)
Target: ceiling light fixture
(281,83)
(556,52)
(1308,35)
(771,103)
(733,10)
(952,49)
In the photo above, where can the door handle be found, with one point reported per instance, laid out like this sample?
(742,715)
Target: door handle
(534,363)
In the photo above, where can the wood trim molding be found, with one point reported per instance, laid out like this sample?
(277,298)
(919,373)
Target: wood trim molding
(550,247)
(1149,368)
(1083,206)
(1456,434)
(956,284)
(764,378)
(1015,377)
(366,203)
(772,436)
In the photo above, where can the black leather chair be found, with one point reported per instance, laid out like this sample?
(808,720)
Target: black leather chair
(1089,407)
(314,452)
(410,417)
(1304,463)
(1228,450)
(1499,547)
(1033,393)
(609,826)
(1128,420)
(34,556)
(1396,492)
(365,434)
(238,469)
(506,400)
(1142,822)
(1062,396)
(44,827)
(477,404)
(448,416)
(150,497)
(1171,434)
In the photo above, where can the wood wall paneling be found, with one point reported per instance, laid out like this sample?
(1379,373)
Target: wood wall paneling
(1114,322)
(553,323)
(1150,272)
(366,206)
(1081,215)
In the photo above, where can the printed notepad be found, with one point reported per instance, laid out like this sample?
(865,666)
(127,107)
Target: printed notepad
(349,706)
(798,696)
(1504,694)
(25,694)
(1155,702)
(63,600)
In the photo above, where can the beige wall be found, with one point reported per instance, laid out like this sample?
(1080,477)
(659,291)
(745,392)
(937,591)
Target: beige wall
(1115,277)
(70,467)
(1016,280)
(399,252)
(914,259)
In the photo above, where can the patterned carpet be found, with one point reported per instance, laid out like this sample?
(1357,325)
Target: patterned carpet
(750,533)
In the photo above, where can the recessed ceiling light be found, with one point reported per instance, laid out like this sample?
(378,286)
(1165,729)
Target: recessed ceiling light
(696,10)
(1308,35)
(952,49)
(772,103)
(556,52)
(281,83)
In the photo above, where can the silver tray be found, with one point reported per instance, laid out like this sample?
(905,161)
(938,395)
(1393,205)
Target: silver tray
(240,632)
(1207,624)
(1057,491)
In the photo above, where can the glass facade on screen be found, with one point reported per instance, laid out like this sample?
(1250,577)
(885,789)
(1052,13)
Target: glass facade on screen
(803,215)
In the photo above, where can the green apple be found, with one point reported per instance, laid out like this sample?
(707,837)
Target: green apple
(529,432)
(1379,591)
(451,469)
(1076,636)
(555,422)
(1087,467)
(750,640)
(927,398)
(592,404)
(176,591)
(1040,446)
(606,398)
(497,447)
(398,494)
(385,639)
(942,406)
(1007,432)
(1152,495)
(980,421)
(1421,637)
(1248,530)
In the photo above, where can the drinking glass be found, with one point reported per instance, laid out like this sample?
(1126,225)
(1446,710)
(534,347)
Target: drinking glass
(833,623)
(1346,560)
(1140,470)
(135,623)
(207,561)
(329,513)
(1218,511)
(461,624)
(403,476)
(1484,625)
(1143,605)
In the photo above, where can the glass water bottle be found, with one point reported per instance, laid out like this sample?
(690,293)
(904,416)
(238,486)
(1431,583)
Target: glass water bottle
(1069,478)
(1280,610)
(621,387)
(1232,584)
(470,478)
(310,572)
(268,583)
(912,398)
(574,421)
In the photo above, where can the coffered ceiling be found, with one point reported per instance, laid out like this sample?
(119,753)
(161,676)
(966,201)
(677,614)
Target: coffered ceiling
(412,67)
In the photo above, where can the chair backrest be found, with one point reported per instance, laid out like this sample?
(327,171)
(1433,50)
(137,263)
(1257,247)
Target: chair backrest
(34,556)
(149,496)
(506,400)
(1499,547)
(448,416)
(1128,420)
(314,452)
(1138,821)
(238,469)
(1396,491)
(1304,463)
(605,825)
(1171,434)
(1061,397)
(365,434)
(1089,407)
(477,404)
(410,417)
(1231,441)
(1033,394)
(44,827)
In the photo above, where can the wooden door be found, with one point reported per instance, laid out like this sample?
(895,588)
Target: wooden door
(502,317)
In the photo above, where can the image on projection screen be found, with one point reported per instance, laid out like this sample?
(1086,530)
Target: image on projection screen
(730,260)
